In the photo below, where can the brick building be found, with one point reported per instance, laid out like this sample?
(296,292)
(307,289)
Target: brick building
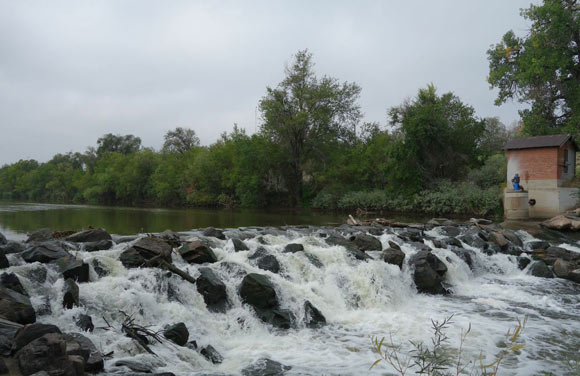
(545,164)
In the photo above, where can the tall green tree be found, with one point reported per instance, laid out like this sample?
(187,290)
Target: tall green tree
(438,139)
(542,68)
(304,114)
(180,140)
(115,143)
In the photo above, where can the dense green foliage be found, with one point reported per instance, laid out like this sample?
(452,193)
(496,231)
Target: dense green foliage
(436,157)
(542,68)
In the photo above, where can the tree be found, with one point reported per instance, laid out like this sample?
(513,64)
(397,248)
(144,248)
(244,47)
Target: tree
(180,140)
(303,114)
(112,143)
(493,139)
(438,139)
(542,68)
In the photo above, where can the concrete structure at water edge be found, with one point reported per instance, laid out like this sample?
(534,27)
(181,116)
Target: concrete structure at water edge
(545,166)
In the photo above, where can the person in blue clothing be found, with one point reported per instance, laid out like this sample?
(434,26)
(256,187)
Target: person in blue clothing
(516,182)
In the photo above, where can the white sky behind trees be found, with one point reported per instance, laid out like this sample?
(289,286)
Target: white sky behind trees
(71,71)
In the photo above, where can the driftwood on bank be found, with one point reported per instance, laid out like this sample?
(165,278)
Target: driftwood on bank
(376,221)
(158,261)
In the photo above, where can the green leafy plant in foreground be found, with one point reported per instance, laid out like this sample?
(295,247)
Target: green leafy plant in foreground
(439,358)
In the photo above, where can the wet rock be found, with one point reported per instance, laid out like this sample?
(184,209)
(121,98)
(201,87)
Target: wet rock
(265,261)
(239,245)
(500,240)
(394,245)
(364,242)
(171,237)
(214,233)
(412,234)
(11,281)
(177,334)
(265,367)
(551,254)
(258,291)
(563,223)
(8,330)
(73,268)
(420,246)
(48,353)
(44,253)
(89,236)
(491,249)
(144,250)
(453,242)
(211,354)
(358,255)
(93,359)
(71,294)
(293,248)
(466,255)
(134,365)
(540,269)
(335,239)
(567,270)
(278,318)
(31,332)
(481,221)
(314,260)
(191,345)
(12,247)
(213,290)
(538,245)
(3,367)
(16,307)
(513,237)
(125,239)
(394,256)
(429,272)
(100,268)
(196,252)
(41,235)
(85,323)
(313,318)
(3,239)
(451,231)
(101,245)
(523,262)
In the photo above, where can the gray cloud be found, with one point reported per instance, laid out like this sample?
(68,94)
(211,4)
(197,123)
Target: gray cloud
(71,71)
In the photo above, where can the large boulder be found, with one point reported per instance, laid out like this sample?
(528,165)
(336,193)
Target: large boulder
(258,291)
(42,235)
(31,332)
(73,268)
(12,247)
(567,270)
(101,245)
(78,344)
(313,318)
(265,261)
(44,252)
(196,252)
(211,354)
(239,245)
(48,353)
(540,269)
(365,242)
(88,236)
(85,323)
(213,290)
(451,231)
(3,239)
(513,237)
(146,252)
(475,237)
(551,254)
(8,330)
(538,245)
(11,281)
(394,256)
(265,367)
(171,237)
(563,223)
(3,261)
(293,248)
(71,294)
(429,272)
(177,334)
(214,233)
(500,240)
(277,317)
(16,307)
(467,255)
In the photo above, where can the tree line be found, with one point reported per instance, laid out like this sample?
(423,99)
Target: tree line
(435,155)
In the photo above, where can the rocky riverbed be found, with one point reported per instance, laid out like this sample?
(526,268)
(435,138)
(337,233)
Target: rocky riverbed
(268,301)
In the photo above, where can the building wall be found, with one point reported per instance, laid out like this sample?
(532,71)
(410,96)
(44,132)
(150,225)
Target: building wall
(538,168)
(568,148)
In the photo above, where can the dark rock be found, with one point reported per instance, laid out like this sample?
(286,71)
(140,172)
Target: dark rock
(36,273)
(134,365)
(265,261)
(73,268)
(191,345)
(451,231)
(89,236)
(41,235)
(239,245)
(11,281)
(540,269)
(466,255)
(567,270)
(359,255)
(16,307)
(523,262)
(171,237)
(85,322)
(211,354)
(8,330)
(278,318)
(101,245)
(551,254)
(314,260)
(335,239)
(3,239)
(452,241)
(265,367)
(499,239)
(293,248)
(3,367)
(44,253)
(144,250)
(94,362)
(394,256)
(429,272)
(31,332)
(177,334)
(420,246)
(12,247)
(412,234)
(100,268)
(481,221)
(364,242)
(313,318)
(214,233)
(257,291)
(394,245)
(3,261)
(71,294)
(512,237)
(196,252)
(125,239)
(48,353)
(213,290)
(538,245)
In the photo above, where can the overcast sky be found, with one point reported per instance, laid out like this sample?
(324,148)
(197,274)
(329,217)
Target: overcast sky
(71,71)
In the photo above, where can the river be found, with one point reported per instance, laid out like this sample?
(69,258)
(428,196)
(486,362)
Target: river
(359,299)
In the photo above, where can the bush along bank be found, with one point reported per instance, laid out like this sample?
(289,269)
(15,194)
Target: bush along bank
(151,302)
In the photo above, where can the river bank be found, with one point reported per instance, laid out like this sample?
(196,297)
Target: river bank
(291,300)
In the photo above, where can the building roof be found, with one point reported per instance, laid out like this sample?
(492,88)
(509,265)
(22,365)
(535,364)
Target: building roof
(540,142)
